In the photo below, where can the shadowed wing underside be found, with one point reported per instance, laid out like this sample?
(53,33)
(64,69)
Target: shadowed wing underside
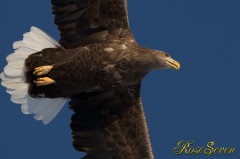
(81,22)
(110,125)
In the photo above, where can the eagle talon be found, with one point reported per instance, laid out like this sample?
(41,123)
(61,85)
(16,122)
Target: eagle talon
(42,70)
(43,81)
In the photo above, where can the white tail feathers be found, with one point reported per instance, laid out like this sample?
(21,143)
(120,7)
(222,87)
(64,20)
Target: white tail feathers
(13,77)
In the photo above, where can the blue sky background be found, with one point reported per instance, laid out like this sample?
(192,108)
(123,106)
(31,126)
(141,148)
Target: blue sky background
(200,102)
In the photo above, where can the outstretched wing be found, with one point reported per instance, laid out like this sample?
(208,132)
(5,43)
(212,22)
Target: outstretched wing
(110,124)
(88,21)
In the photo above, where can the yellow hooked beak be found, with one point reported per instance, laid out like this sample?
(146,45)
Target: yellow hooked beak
(173,64)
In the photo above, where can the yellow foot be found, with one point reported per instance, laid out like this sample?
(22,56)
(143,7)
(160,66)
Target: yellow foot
(42,70)
(43,81)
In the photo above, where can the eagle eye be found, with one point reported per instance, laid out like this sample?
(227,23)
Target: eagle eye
(165,54)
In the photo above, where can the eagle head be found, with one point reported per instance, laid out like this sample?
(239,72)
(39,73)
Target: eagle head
(163,60)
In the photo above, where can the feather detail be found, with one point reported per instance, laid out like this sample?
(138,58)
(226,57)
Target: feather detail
(13,77)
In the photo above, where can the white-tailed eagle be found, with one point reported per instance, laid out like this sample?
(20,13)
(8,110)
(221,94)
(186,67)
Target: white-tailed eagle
(98,65)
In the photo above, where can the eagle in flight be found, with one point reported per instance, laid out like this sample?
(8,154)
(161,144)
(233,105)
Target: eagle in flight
(97,67)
